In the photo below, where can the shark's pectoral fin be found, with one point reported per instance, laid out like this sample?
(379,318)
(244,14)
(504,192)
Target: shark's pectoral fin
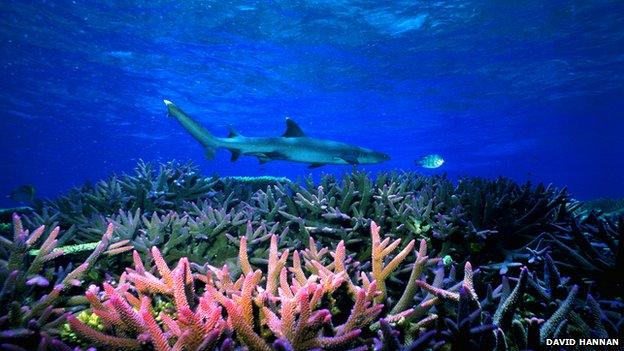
(235,155)
(292,130)
(350,158)
(262,159)
(316,165)
(265,157)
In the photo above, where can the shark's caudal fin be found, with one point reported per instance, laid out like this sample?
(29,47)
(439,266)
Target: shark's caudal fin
(195,129)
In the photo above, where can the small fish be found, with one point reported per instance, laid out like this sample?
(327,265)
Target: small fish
(23,193)
(431,161)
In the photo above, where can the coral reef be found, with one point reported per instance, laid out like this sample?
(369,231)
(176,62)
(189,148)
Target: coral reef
(7,213)
(35,290)
(603,206)
(292,307)
(395,261)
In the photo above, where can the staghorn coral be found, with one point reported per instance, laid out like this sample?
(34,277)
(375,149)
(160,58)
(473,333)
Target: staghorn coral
(7,213)
(287,308)
(460,321)
(592,245)
(474,217)
(30,312)
(389,339)
(148,190)
(381,249)
(197,324)
(470,330)
(290,306)
(496,225)
(602,207)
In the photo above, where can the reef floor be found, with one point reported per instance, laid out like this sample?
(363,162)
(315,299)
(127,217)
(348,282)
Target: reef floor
(168,259)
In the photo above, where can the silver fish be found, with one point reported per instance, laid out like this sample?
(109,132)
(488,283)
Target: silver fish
(431,161)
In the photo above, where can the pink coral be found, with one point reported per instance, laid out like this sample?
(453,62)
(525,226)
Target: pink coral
(291,304)
(127,310)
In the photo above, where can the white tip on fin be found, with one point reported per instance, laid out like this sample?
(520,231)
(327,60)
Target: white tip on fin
(167,102)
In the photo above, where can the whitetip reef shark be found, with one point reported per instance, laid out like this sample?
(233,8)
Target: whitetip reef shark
(293,145)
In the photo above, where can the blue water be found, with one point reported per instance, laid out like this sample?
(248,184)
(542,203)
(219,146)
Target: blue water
(530,90)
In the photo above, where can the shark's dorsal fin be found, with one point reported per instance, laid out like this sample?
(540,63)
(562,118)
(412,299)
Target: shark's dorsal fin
(292,130)
(232,133)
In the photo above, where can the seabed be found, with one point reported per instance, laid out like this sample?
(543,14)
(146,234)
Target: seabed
(167,259)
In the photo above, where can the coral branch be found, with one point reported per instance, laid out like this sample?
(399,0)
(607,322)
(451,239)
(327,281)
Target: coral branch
(381,250)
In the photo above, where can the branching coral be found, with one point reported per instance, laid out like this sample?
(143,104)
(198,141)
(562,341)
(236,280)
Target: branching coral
(30,313)
(293,307)
(289,296)
(381,249)
(475,217)
(295,319)
(592,245)
(147,189)
(195,326)
(469,330)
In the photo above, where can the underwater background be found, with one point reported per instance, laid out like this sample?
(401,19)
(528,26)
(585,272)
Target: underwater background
(530,90)
(496,224)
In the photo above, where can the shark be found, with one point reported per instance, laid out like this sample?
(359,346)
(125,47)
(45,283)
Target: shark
(293,145)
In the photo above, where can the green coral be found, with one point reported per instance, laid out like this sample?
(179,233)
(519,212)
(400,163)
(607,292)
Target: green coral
(261,180)
(70,249)
(418,228)
(5,228)
(87,317)
(163,306)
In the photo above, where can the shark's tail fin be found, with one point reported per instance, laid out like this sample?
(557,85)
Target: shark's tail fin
(194,128)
